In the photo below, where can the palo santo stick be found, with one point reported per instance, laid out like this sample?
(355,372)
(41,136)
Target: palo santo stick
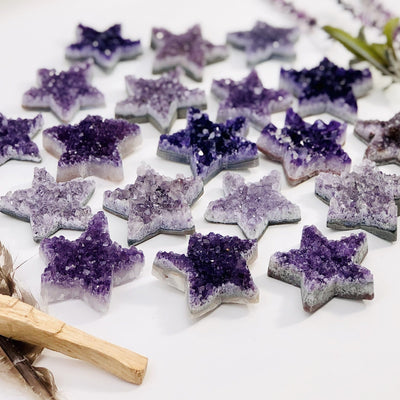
(20,321)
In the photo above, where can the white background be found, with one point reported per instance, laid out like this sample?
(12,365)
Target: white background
(273,349)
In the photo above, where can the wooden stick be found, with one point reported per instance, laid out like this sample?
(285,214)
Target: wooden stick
(20,321)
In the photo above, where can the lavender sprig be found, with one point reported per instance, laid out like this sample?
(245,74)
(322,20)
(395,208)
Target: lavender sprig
(289,8)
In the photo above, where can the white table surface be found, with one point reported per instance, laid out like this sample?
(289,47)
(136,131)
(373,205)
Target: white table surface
(273,349)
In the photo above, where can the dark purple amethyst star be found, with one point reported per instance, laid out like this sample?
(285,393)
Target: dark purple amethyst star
(327,88)
(252,206)
(383,138)
(209,147)
(249,98)
(106,48)
(325,268)
(50,206)
(214,271)
(64,92)
(155,204)
(188,50)
(159,101)
(92,147)
(365,198)
(87,268)
(264,41)
(304,149)
(15,138)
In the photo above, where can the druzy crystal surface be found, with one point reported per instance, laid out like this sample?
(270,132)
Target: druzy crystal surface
(15,138)
(92,147)
(106,47)
(89,267)
(159,101)
(50,206)
(155,204)
(252,206)
(325,268)
(264,41)
(365,198)
(209,147)
(383,138)
(214,271)
(249,98)
(327,88)
(64,92)
(188,50)
(305,149)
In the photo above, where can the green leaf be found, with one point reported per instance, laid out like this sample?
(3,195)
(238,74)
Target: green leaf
(388,30)
(359,48)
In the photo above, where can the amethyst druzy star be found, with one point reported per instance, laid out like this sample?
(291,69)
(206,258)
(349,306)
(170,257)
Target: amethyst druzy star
(214,271)
(325,268)
(365,198)
(209,147)
(50,206)
(15,138)
(250,99)
(383,138)
(252,206)
(264,41)
(87,268)
(159,101)
(92,147)
(106,48)
(304,149)
(155,204)
(65,92)
(327,88)
(188,50)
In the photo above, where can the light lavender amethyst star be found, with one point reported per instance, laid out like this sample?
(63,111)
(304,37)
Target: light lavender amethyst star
(383,138)
(249,98)
(365,198)
(15,138)
(325,268)
(64,92)
(92,147)
(159,101)
(304,149)
(87,268)
(106,48)
(264,41)
(155,204)
(209,147)
(188,50)
(50,206)
(214,271)
(327,88)
(252,206)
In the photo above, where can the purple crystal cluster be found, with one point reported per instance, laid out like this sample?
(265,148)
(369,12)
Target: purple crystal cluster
(264,41)
(327,88)
(214,271)
(155,204)
(50,206)
(305,149)
(15,138)
(64,92)
(209,147)
(92,147)
(87,268)
(365,198)
(188,50)
(106,48)
(325,268)
(252,206)
(383,138)
(249,98)
(159,101)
